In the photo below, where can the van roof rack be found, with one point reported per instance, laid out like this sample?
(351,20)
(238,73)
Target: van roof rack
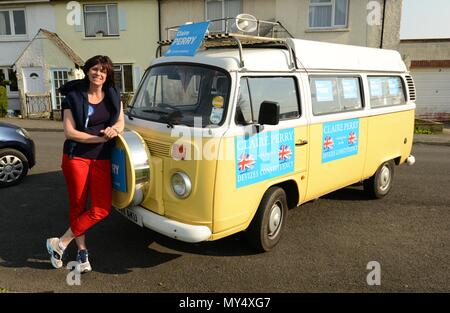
(231,39)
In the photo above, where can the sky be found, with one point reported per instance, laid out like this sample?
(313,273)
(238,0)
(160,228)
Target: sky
(425,19)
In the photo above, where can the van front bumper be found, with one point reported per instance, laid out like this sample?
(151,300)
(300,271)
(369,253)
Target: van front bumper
(163,225)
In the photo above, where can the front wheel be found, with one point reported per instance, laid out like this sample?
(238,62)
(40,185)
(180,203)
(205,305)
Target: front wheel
(265,230)
(13,167)
(380,183)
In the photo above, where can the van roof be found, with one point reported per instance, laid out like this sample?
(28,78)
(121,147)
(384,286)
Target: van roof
(316,55)
(311,55)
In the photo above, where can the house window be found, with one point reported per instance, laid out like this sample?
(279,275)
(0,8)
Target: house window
(216,9)
(123,76)
(12,22)
(60,77)
(101,20)
(328,13)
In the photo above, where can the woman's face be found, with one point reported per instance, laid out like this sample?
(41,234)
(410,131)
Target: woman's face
(97,75)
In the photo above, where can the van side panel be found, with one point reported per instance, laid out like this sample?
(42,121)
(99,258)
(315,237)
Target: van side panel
(233,206)
(387,134)
(327,176)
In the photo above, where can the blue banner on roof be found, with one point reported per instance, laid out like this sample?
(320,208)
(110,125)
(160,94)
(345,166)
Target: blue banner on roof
(188,39)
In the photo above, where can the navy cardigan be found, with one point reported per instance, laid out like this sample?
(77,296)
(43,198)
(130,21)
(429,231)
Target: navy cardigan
(76,100)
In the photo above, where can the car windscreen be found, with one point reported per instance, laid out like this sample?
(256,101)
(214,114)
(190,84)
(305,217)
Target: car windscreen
(189,95)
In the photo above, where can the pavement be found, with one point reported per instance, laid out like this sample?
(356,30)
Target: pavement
(43,125)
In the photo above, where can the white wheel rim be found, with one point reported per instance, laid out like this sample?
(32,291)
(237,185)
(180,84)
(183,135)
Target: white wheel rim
(385,178)
(11,167)
(275,218)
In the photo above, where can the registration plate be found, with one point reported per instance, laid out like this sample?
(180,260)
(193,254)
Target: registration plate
(131,215)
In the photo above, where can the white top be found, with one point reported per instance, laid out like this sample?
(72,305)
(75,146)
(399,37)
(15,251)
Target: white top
(316,55)
(311,55)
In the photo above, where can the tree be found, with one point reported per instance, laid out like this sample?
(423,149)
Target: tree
(3,95)
(3,101)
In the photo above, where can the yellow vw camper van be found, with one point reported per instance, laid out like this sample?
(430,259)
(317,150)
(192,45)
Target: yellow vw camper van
(230,139)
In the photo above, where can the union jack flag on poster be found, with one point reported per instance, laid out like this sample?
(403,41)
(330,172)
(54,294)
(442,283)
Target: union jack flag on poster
(352,138)
(284,153)
(328,143)
(246,162)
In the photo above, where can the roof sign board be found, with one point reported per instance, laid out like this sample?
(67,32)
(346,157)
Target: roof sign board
(188,39)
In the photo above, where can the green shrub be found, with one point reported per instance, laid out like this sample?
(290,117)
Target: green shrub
(3,101)
(422,131)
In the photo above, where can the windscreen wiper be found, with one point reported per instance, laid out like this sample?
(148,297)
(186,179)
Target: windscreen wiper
(173,118)
(155,111)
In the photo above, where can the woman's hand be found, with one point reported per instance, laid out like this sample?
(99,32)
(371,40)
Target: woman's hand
(110,133)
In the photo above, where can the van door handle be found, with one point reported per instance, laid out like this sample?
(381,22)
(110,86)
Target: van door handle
(301,142)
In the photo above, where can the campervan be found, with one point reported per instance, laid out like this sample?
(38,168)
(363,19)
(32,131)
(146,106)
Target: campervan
(231,138)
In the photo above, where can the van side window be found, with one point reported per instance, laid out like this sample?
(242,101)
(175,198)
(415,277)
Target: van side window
(335,94)
(386,91)
(244,114)
(255,90)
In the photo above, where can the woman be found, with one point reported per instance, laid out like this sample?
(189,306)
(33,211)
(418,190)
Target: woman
(92,117)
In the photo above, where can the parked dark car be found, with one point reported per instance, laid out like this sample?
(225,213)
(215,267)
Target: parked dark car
(17,154)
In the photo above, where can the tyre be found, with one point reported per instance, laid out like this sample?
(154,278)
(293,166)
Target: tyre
(266,228)
(13,167)
(380,183)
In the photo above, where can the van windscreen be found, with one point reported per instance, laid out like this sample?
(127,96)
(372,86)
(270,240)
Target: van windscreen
(183,94)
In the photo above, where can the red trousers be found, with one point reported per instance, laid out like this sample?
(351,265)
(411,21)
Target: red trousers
(83,177)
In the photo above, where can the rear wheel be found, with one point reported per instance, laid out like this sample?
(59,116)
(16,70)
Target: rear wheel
(13,167)
(380,183)
(265,230)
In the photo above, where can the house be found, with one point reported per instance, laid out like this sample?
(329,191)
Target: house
(429,63)
(125,30)
(43,66)
(45,43)
(359,22)
(19,23)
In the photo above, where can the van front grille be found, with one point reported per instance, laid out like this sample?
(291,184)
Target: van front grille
(158,149)
(411,88)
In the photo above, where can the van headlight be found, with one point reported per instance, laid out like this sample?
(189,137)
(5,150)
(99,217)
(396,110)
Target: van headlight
(181,184)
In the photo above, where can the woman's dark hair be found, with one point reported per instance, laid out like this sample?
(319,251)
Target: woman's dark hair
(106,63)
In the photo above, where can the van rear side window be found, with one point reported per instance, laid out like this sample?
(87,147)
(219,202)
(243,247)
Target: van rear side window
(335,94)
(255,90)
(386,91)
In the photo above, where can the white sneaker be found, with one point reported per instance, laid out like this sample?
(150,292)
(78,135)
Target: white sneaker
(83,262)
(55,252)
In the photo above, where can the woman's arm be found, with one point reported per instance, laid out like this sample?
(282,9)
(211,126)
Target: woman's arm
(71,133)
(118,127)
